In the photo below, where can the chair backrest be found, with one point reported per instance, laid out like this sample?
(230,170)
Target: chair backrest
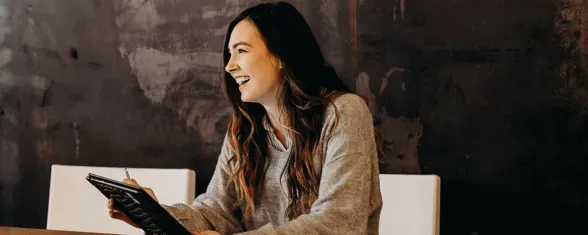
(411,204)
(76,205)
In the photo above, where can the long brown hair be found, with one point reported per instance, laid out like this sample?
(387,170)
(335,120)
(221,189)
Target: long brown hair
(309,84)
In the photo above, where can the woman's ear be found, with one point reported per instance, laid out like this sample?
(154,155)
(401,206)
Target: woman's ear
(281,64)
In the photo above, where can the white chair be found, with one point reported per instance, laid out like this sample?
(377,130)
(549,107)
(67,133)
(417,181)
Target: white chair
(76,205)
(411,204)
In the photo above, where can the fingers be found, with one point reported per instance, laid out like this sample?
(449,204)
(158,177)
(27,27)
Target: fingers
(149,191)
(112,212)
(134,182)
(130,181)
(115,214)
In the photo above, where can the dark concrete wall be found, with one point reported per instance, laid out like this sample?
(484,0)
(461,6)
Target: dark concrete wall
(499,91)
(489,94)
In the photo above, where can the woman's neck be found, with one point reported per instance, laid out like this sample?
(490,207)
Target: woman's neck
(276,119)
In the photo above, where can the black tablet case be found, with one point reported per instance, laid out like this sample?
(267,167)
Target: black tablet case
(139,206)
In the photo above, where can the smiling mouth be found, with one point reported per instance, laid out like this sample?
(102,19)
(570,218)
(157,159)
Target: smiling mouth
(242,80)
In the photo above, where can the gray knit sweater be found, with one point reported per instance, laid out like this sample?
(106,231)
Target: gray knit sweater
(349,200)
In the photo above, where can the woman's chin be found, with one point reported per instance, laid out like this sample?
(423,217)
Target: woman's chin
(247,98)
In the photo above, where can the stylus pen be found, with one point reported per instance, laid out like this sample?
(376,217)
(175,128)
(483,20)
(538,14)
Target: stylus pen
(127,172)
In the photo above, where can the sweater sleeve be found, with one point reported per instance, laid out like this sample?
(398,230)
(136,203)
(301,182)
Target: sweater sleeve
(343,205)
(212,210)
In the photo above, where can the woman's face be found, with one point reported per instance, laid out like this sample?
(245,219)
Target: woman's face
(254,68)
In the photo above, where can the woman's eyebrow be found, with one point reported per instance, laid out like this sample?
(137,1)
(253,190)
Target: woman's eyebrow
(238,44)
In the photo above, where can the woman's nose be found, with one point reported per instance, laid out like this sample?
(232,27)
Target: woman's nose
(231,66)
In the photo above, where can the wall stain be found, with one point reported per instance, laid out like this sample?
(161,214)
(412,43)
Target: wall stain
(400,134)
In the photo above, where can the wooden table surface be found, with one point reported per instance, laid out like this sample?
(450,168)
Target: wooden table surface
(32,231)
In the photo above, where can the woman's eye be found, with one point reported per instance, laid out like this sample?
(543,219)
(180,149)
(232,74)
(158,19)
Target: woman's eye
(241,51)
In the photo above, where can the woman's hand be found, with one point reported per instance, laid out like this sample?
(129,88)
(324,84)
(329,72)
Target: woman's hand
(114,213)
(205,233)
(148,190)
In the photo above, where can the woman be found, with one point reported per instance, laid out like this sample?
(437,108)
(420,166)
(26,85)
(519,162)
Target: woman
(300,154)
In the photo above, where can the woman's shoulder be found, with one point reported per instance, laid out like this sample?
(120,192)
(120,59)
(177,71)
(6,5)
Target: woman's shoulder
(347,114)
(347,104)
(346,101)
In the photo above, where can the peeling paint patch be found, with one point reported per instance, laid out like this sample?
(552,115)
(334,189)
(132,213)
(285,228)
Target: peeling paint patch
(9,115)
(400,134)
(141,14)
(207,117)
(44,150)
(362,87)
(5,56)
(399,5)
(9,119)
(176,70)
(4,23)
(44,118)
(401,139)
(185,19)
(7,80)
(40,82)
(197,99)
(227,10)
(571,26)
(156,69)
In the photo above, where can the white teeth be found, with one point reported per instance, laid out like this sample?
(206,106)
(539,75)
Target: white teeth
(241,80)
